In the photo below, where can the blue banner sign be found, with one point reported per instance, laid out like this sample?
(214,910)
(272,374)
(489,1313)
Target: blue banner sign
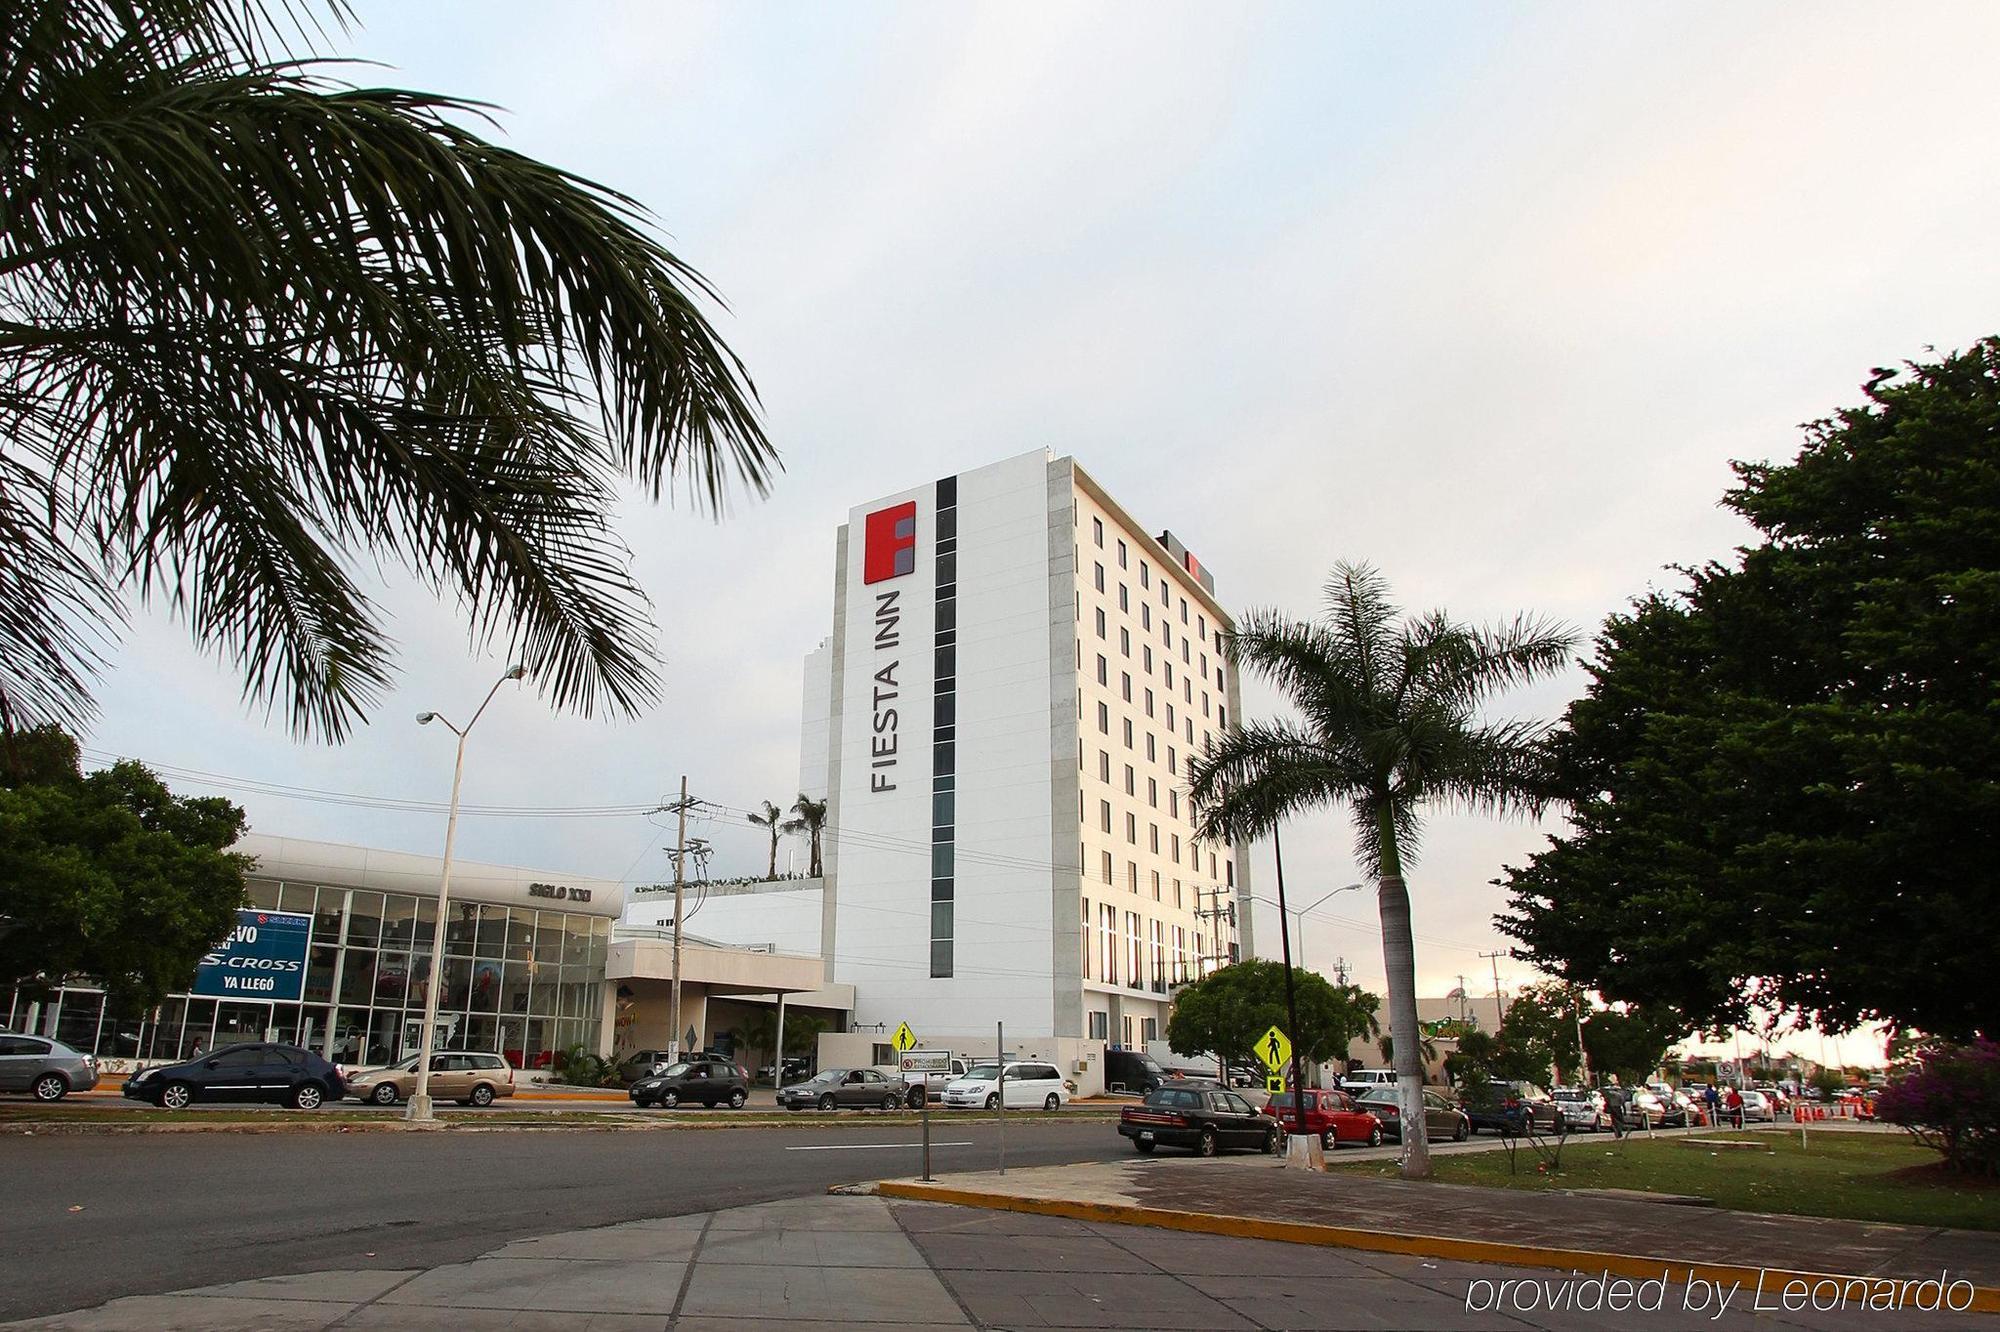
(264,957)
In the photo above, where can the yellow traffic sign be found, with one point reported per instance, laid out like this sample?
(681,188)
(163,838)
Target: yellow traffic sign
(1275,1049)
(905,1038)
(1274,1084)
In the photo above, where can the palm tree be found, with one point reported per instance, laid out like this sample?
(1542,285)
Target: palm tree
(774,819)
(258,327)
(812,817)
(1387,728)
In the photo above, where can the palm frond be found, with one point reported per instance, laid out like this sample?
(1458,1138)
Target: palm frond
(1254,777)
(1362,620)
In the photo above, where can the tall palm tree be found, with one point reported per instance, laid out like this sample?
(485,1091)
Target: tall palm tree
(775,821)
(812,817)
(259,328)
(1387,728)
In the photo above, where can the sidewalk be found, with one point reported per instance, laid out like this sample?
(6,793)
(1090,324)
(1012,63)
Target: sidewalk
(1258,1197)
(822,1264)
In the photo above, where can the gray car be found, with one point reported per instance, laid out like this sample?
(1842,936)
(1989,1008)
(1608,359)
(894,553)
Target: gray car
(846,1088)
(46,1069)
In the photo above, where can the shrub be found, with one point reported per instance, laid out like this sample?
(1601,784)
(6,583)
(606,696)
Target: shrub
(1949,1100)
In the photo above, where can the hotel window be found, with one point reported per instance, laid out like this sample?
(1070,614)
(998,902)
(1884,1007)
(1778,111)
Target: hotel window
(1104,814)
(1145,618)
(1124,598)
(1103,669)
(1100,622)
(1211,860)
(1175,841)
(1124,640)
(1204,703)
(1229,873)
(1204,669)
(1146,659)
(1201,632)
(1184,610)
(1132,878)
(1130,779)
(1173,802)
(1100,1025)
(1085,932)
(1165,597)
(1100,578)
(1135,945)
(1121,555)
(1079,807)
(1177,893)
(1104,718)
(1154,832)
(1149,702)
(1131,829)
(1128,732)
(1128,689)
(1145,574)
(1170,716)
(1190,730)
(1170,674)
(1156,884)
(1184,651)
(1152,794)
(1097,531)
(1104,766)
(1170,761)
(1107,866)
(1218,680)
(1187,688)
(1152,756)
(1107,938)
(1221,717)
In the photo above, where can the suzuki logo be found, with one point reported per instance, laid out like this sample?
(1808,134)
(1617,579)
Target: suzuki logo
(889,543)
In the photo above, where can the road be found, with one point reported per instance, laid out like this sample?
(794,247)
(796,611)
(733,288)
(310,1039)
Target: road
(90,1218)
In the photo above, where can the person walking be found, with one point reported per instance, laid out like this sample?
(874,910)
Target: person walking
(1735,1104)
(1712,1098)
(1614,1105)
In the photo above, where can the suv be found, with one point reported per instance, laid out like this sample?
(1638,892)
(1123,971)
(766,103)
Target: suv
(1132,1071)
(701,1080)
(1368,1079)
(256,1071)
(1029,1083)
(467,1076)
(1513,1107)
(47,1068)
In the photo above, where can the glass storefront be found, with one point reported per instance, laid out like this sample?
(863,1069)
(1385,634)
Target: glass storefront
(523,982)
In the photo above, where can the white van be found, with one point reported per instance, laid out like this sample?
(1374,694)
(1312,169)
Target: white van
(1368,1079)
(1031,1085)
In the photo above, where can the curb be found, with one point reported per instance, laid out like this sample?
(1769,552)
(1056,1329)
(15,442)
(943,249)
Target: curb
(1985,1299)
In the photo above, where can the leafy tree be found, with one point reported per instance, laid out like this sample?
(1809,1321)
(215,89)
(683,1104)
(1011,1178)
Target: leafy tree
(1631,1043)
(1388,728)
(1425,1046)
(812,818)
(1540,1028)
(110,876)
(758,1030)
(257,326)
(1785,776)
(1227,1010)
(774,821)
(1949,1100)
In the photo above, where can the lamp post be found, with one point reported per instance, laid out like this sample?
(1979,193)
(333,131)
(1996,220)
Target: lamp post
(420,1100)
(1301,914)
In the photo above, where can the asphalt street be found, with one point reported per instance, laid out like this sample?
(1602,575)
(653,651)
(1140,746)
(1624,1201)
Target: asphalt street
(90,1218)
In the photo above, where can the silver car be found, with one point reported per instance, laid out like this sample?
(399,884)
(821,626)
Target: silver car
(47,1069)
(1582,1107)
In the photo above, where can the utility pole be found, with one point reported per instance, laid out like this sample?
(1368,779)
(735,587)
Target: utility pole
(680,888)
(1499,1004)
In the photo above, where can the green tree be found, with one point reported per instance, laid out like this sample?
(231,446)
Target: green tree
(1631,1043)
(110,876)
(758,1030)
(1388,728)
(1784,777)
(812,818)
(258,327)
(1227,1010)
(1540,1028)
(1425,1046)
(773,820)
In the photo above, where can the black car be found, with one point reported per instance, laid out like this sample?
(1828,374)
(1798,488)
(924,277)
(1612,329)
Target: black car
(1518,1108)
(281,1074)
(642,1063)
(1204,1118)
(709,1082)
(1132,1071)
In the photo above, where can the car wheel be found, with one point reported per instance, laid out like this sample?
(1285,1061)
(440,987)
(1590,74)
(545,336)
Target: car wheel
(826,1102)
(1142,1147)
(643,1103)
(1208,1145)
(385,1094)
(1375,1136)
(916,1098)
(892,1102)
(176,1096)
(992,1100)
(1462,1132)
(308,1096)
(1052,1102)
(670,1099)
(1328,1142)
(482,1096)
(737,1098)
(51,1087)
(1271,1140)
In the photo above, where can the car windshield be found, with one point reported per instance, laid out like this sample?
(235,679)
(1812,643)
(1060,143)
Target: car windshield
(831,1075)
(674,1071)
(1150,1064)
(1569,1094)
(983,1072)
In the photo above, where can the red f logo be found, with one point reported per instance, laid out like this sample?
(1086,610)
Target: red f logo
(889,547)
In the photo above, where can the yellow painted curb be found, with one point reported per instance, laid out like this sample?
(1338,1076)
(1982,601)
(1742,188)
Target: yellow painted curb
(1985,1299)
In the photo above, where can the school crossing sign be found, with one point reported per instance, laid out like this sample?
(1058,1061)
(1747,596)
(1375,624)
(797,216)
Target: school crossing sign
(263,957)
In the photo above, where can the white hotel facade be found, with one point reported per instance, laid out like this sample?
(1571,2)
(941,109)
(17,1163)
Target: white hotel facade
(1002,719)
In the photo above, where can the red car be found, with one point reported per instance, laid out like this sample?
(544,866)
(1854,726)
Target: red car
(1330,1114)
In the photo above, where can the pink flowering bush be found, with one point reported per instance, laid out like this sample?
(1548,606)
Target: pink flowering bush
(1950,1101)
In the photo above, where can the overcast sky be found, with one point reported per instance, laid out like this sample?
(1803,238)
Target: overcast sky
(1486,295)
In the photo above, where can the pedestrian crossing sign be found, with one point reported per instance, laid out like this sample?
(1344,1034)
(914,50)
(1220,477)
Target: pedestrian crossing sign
(1275,1049)
(1274,1085)
(906,1040)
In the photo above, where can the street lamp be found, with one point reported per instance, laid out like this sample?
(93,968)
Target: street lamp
(420,1100)
(1301,914)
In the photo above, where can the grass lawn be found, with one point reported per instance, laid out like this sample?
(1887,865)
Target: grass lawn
(1858,1176)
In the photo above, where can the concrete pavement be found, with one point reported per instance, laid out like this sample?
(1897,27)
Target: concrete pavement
(824,1264)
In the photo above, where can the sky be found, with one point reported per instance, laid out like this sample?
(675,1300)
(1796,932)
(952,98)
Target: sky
(1488,296)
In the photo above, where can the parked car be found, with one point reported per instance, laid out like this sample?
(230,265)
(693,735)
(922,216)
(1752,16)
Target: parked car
(1205,1119)
(256,1071)
(1780,1102)
(930,1085)
(1757,1106)
(645,1063)
(1513,1107)
(1442,1116)
(845,1088)
(1331,1116)
(1646,1106)
(470,1077)
(710,1083)
(1132,1071)
(45,1068)
(797,1069)
(1582,1107)
(1368,1079)
(1029,1083)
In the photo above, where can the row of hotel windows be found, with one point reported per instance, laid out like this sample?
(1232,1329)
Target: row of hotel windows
(1187,688)
(944,733)
(1145,578)
(1144,1029)
(1216,865)
(1188,660)
(1176,955)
